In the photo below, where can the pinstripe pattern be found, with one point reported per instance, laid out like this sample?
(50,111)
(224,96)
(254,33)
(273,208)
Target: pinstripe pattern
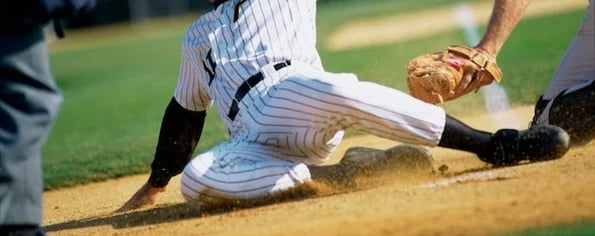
(240,170)
(305,113)
(239,49)
(295,116)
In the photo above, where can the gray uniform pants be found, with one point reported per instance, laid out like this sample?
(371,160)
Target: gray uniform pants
(569,100)
(577,68)
(29,102)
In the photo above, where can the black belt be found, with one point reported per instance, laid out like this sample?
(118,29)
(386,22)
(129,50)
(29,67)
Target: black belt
(247,85)
(218,2)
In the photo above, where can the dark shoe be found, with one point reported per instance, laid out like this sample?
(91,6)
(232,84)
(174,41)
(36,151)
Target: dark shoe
(538,143)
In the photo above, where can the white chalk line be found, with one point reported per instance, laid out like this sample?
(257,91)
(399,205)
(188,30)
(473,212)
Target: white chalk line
(466,178)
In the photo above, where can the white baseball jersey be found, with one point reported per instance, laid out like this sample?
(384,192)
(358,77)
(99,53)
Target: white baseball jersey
(233,42)
(256,61)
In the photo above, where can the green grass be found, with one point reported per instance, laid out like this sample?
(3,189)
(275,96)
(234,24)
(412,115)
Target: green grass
(117,81)
(117,86)
(334,14)
(586,228)
(528,59)
(114,98)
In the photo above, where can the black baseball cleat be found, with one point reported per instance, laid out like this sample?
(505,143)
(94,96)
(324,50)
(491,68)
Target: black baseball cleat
(538,143)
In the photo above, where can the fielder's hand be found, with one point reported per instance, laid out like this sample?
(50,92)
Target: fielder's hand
(442,76)
(145,196)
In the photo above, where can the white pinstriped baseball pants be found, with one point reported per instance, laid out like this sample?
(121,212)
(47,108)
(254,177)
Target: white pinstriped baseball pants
(295,117)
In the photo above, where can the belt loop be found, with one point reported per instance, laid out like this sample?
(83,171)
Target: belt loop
(281,65)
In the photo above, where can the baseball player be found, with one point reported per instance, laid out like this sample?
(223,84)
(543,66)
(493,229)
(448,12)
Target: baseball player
(256,61)
(569,99)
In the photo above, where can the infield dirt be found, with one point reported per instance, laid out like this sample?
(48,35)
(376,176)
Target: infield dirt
(466,198)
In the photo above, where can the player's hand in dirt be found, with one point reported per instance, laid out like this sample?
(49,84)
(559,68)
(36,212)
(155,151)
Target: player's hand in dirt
(145,196)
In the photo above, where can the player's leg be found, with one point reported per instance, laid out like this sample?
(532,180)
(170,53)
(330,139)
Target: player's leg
(580,120)
(29,103)
(572,110)
(324,101)
(569,100)
(506,146)
(239,170)
(307,112)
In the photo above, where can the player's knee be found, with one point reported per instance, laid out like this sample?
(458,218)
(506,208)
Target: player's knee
(200,185)
(192,181)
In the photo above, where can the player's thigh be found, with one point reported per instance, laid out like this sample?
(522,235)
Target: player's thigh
(239,171)
(339,101)
(578,64)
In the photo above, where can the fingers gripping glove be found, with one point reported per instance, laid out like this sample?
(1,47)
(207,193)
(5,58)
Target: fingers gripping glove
(433,77)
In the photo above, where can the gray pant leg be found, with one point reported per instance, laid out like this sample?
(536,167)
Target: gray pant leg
(569,100)
(578,64)
(29,102)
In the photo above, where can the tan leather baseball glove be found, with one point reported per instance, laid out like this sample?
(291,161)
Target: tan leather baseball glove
(442,76)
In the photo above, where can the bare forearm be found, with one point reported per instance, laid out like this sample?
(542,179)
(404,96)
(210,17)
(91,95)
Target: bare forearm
(505,17)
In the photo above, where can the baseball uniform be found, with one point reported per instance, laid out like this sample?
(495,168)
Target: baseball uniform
(256,61)
(568,101)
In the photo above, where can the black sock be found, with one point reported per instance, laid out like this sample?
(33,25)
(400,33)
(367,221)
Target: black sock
(460,136)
